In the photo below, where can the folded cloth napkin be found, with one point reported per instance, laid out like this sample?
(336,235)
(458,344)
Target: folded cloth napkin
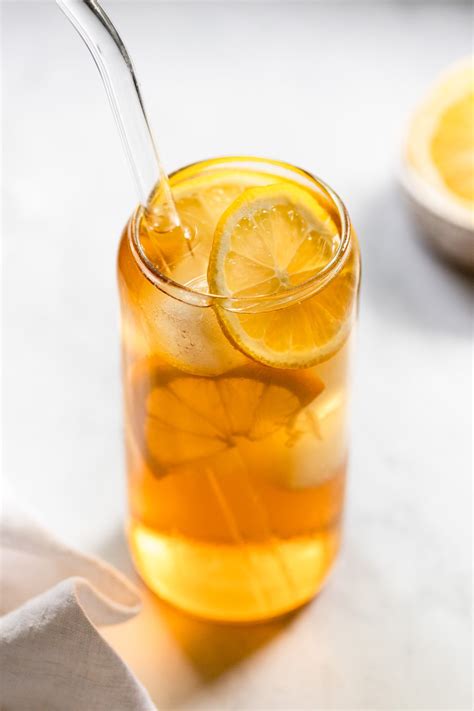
(52,658)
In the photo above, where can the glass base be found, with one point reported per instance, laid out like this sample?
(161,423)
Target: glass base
(230,583)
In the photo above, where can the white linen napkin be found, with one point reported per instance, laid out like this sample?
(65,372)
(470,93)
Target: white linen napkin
(52,658)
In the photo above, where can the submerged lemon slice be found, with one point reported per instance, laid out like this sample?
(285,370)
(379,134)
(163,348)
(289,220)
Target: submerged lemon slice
(269,240)
(182,421)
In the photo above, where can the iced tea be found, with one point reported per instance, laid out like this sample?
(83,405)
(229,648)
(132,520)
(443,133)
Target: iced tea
(236,346)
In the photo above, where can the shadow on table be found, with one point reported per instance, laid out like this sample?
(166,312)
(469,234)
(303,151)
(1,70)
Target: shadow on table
(211,648)
(402,276)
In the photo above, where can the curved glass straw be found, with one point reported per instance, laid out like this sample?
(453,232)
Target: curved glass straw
(116,70)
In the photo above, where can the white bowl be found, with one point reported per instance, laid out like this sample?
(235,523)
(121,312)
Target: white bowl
(447,226)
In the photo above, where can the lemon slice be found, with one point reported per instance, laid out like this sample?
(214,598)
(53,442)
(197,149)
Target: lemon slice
(440,143)
(200,200)
(269,240)
(438,167)
(452,146)
(183,421)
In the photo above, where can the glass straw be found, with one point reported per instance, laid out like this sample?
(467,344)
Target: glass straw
(118,75)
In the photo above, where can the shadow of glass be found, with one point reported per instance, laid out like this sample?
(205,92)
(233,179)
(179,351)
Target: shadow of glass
(402,276)
(211,648)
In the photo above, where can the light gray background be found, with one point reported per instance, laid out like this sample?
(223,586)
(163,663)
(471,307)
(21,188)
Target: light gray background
(325,86)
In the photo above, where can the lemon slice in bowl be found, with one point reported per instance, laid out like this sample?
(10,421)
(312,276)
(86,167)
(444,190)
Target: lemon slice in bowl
(270,240)
(438,166)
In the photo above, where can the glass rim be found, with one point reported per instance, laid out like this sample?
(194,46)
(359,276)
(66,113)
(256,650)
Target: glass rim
(263,302)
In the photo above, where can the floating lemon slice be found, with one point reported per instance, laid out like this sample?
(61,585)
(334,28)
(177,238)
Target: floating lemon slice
(269,240)
(200,200)
(439,162)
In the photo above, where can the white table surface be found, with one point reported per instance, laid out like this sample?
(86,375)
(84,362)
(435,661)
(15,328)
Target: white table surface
(328,87)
